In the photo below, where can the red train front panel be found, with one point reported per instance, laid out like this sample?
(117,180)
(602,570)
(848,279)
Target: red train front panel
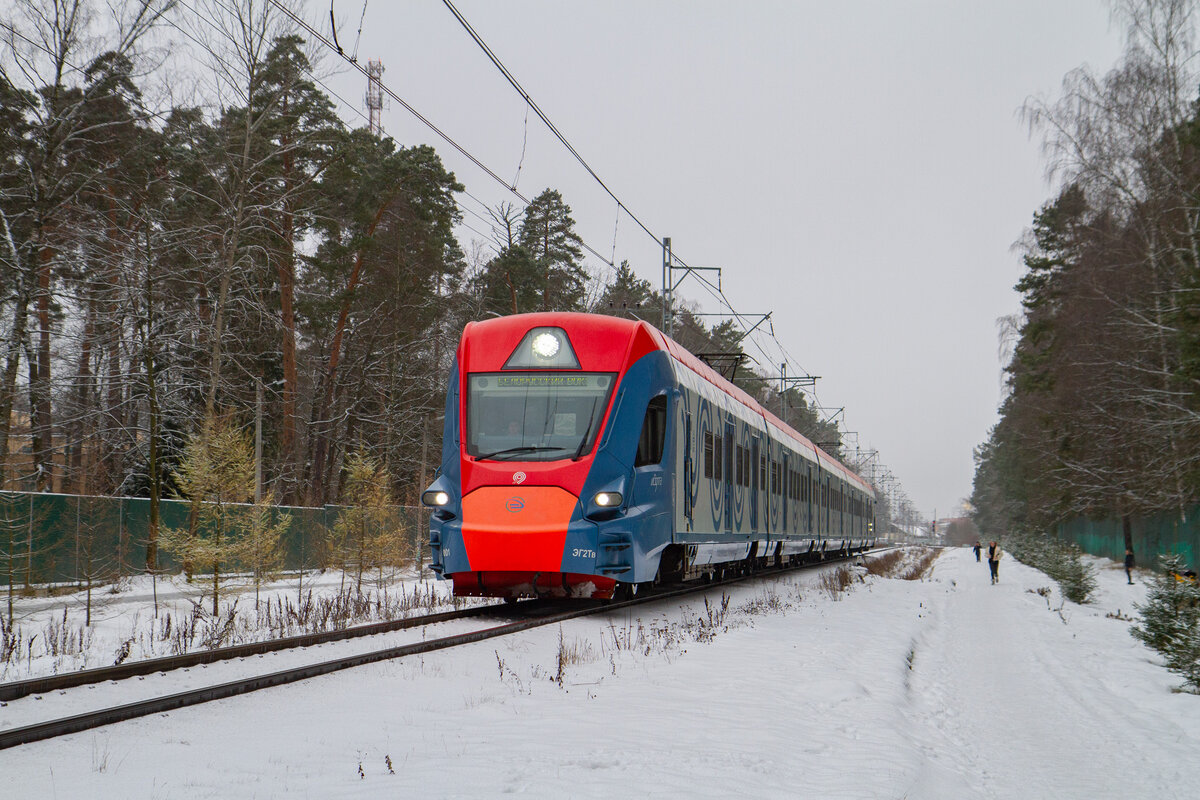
(528,408)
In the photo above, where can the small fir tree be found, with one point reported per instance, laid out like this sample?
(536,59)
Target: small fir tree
(368,534)
(1170,621)
(217,472)
(260,542)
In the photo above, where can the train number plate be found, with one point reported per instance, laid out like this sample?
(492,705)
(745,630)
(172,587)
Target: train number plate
(581,553)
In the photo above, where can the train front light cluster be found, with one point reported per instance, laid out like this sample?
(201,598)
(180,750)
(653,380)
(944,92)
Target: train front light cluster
(607,499)
(435,498)
(543,347)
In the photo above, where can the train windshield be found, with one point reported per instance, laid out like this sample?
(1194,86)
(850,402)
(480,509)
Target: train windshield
(535,416)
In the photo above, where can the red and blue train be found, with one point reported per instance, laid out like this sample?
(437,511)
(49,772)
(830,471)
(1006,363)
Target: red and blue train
(589,456)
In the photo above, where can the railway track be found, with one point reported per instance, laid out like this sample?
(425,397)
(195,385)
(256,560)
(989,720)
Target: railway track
(94,719)
(14,690)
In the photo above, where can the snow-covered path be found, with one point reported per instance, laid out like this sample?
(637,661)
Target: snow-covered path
(1012,702)
(945,688)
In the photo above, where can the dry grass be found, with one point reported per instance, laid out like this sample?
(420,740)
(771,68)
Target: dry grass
(885,565)
(836,581)
(911,564)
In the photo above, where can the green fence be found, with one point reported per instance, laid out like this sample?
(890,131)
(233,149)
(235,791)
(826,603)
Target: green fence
(56,538)
(1153,536)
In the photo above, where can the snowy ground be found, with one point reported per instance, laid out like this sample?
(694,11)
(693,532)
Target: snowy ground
(945,688)
(141,618)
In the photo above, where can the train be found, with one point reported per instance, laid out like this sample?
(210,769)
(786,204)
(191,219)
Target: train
(592,456)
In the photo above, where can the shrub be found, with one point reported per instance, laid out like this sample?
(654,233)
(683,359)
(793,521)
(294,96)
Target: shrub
(1060,560)
(1169,621)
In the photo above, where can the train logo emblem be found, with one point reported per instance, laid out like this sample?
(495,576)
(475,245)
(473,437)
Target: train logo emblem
(514,504)
(518,478)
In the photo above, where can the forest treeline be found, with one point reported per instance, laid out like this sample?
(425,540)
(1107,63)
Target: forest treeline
(1102,412)
(163,264)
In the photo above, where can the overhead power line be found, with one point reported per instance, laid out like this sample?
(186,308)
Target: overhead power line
(327,42)
(715,291)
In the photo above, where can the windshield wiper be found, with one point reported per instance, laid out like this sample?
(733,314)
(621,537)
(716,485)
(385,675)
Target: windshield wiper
(512,451)
(587,432)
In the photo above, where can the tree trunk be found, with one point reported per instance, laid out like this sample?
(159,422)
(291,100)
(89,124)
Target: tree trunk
(42,422)
(322,425)
(12,362)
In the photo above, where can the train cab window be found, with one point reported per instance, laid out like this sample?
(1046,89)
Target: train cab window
(654,433)
(535,416)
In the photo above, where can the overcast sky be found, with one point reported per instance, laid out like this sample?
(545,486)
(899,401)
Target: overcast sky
(858,168)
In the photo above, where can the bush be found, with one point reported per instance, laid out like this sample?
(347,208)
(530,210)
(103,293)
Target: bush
(1170,621)
(1062,561)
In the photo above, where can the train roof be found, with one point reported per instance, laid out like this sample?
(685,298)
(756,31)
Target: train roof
(601,335)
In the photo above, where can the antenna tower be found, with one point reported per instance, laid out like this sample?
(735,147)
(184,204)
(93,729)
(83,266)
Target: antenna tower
(374,97)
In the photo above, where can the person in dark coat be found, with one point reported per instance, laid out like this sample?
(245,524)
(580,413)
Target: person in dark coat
(994,554)
(1129,565)
(978,547)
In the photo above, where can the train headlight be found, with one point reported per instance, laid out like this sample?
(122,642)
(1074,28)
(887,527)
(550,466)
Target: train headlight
(435,498)
(545,345)
(607,499)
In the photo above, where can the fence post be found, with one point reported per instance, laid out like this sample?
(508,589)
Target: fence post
(78,577)
(29,548)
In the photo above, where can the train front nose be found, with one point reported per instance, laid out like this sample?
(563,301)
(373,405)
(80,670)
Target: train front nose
(516,528)
(515,542)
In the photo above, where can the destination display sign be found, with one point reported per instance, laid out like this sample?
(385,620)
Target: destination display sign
(541,381)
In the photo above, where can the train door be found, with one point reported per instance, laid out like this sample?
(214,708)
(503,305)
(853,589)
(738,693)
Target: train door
(841,508)
(808,493)
(764,487)
(729,473)
(754,443)
(784,490)
(689,466)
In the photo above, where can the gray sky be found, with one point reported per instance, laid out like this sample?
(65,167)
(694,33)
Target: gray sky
(858,168)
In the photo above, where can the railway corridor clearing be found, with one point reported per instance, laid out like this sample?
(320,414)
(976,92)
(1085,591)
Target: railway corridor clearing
(945,688)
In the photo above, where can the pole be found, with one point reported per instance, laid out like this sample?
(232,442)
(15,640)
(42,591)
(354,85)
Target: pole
(782,388)
(258,414)
(422,517)
(667,313)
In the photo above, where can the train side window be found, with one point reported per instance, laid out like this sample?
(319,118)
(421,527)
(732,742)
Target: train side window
(654,433)
(708,454)
(741,465)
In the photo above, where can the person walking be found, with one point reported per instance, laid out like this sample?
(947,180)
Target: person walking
(978,547)
(1129,565)
(994,553)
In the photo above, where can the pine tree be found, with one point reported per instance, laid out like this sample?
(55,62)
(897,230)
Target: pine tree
(548,236)
(1170,621)
(630,296)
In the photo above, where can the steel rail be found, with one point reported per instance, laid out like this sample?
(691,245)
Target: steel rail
(14,690)
(158,705)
